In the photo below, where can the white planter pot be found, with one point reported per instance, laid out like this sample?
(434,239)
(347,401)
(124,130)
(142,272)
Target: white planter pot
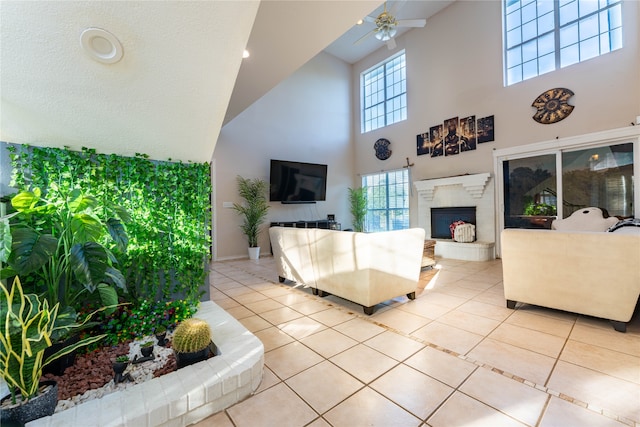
(254,253)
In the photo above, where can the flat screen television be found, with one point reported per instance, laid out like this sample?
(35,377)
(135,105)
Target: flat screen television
(297,182)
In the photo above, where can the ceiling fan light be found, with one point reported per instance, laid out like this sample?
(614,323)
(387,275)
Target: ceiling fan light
(385,33)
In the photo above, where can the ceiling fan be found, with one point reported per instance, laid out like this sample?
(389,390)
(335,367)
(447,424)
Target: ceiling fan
(386,25)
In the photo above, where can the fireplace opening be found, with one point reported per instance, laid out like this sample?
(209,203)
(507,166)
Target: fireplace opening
(442,218)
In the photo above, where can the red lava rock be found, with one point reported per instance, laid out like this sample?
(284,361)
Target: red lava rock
(93,370)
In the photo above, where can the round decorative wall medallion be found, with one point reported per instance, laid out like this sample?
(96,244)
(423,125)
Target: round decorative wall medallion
(382,149)
(553,105)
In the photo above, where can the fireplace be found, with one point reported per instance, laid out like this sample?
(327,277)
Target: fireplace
(469,191)
(442,218)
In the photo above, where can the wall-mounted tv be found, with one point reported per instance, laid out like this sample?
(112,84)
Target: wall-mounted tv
(297,182)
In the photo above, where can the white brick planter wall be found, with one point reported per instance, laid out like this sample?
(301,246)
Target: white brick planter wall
(185,396)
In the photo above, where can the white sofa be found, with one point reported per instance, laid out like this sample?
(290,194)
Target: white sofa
(366,268)
(586,272)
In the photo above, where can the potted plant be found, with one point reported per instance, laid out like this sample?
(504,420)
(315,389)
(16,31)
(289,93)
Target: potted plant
(358,207)
(62,249)
(161,334)
(27,327)
(192,341)
(254,210)
(119,366)
(146,348)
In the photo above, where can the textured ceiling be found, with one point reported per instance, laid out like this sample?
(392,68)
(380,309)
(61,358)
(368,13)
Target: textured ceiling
(166,98)
(359,40)
(181,77)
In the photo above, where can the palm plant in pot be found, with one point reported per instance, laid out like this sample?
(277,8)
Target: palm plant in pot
(358,207)
(254,210)
(27,327)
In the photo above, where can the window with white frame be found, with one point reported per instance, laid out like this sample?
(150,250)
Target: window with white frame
(384,94)
(545,35)
(387,200)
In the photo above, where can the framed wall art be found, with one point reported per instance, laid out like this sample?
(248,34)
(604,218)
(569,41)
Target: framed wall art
(451,138)
(423,144)
(468,133)
(485,129)
(435,134)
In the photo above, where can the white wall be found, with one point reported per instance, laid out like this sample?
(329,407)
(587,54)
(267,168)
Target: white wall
(306,118)
(454,69)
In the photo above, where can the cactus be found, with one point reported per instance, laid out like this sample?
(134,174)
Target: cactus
(191,335)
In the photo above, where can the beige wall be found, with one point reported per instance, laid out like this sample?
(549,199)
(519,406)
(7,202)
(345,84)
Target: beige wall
(306,118)
(454,69)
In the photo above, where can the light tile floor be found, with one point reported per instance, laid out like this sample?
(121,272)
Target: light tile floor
(454,356)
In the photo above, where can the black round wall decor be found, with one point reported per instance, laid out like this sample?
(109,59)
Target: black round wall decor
(382,149)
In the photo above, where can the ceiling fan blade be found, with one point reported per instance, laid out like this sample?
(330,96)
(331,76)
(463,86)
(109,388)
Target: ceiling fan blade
(412,22)
(391,43)
(361,39)
(368,18)
(395,6)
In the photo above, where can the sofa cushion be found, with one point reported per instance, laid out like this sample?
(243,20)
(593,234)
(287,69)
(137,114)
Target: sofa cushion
(587,219)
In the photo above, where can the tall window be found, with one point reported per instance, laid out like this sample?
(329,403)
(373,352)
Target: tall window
(387,200)
(544,35)
(384,94)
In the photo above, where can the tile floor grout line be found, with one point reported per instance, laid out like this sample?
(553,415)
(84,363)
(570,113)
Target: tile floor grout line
(592,408)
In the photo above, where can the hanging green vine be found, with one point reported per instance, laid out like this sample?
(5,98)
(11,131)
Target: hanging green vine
(169,203)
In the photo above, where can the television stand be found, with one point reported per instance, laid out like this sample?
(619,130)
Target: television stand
(320,223)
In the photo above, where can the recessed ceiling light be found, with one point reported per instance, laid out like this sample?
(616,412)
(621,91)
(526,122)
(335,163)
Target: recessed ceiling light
(101,45)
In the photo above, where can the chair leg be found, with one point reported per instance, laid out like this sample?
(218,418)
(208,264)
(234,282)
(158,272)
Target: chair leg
(368,310)
(511,304)
(619,326)
(314,291)
(412,295)
(281,279)
(323,293)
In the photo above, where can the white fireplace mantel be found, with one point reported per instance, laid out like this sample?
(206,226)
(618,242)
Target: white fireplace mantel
(474,184)
(460,191)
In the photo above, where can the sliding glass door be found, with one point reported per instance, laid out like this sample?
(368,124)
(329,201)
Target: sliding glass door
(599,176)
(537,183)
(530,194)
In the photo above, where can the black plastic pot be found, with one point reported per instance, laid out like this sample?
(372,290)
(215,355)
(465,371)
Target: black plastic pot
(118,369)
(186,359)
(40,406)
(58,366)
(146,351)
(162,338)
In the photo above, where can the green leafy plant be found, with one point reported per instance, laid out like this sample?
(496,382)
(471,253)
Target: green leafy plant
(535,209)
(27,327)
(122,359)
(358,207)
(61,246)
(143,319)
(169,236)
(191,335)
(255,207)
(146,344)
